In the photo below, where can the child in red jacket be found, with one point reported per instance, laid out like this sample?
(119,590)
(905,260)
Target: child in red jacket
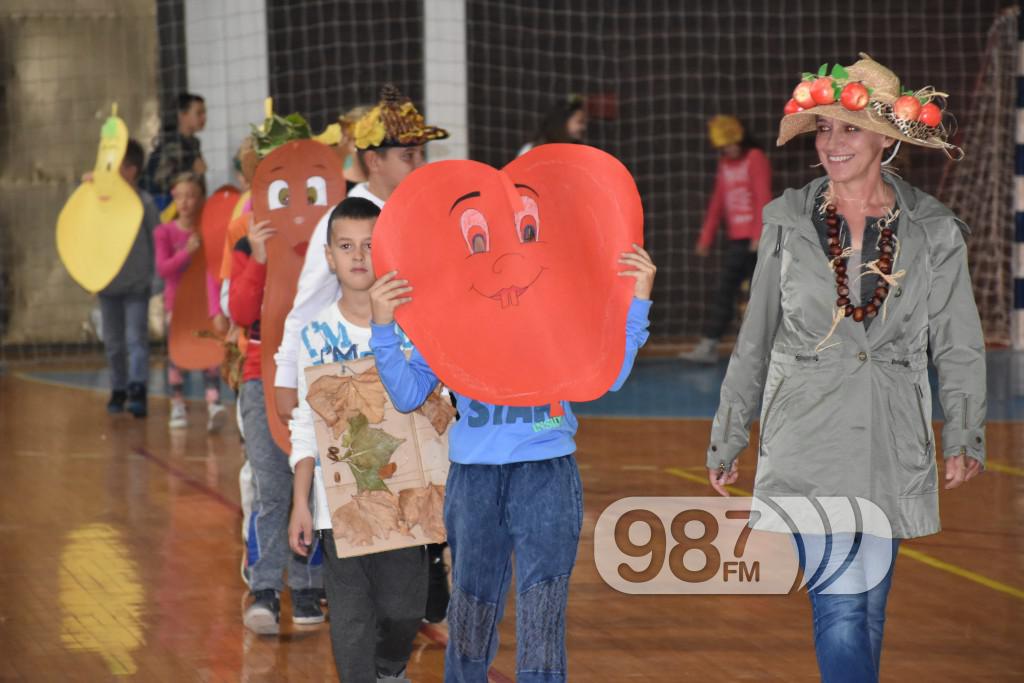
(267,552)
(743,185)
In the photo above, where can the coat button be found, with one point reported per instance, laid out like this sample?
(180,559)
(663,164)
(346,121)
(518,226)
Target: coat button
(862,356)
(977,439)
(714,449)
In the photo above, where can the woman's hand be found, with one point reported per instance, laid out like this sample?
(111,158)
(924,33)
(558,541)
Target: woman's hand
(957,472)
(386,294)
(642,268)
(193,243)
(721,478)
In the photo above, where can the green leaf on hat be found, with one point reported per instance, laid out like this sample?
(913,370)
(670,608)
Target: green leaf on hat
(838,72)
(823,69)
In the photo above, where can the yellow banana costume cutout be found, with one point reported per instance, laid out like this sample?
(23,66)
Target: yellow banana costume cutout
(99,223)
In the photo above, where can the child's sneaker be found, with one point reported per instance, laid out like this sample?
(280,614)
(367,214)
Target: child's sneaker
(261,617)
(217,417)
(179,419)
(137,399)
(396,678)
(116,403)
(306,606)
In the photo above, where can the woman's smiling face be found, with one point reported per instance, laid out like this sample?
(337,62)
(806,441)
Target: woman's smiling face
(848,152)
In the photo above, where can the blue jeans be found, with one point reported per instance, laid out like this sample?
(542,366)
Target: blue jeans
(268,554)
(533,510)
(126,338)
(848,593)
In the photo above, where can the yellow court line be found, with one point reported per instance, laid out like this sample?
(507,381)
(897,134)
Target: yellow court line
(911,553)
(703,479)
(1004,469)
(960,571)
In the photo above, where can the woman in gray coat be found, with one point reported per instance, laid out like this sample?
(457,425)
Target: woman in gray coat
(860,278)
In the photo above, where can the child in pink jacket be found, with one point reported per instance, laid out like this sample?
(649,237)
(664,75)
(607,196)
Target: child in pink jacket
(174,243)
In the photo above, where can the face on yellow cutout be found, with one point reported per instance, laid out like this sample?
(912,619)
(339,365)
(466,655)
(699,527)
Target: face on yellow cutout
(106,173)
(98,224)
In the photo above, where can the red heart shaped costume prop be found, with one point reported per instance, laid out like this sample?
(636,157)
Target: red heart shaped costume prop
(293,187)
(516,298)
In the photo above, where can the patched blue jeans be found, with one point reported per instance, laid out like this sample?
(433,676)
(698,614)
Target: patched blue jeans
(534,511)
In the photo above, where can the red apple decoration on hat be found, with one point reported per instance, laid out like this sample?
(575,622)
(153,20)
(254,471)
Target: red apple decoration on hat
(854,96)
(792,107)
(802,95)
(907,108)
(930,115)
(822,91)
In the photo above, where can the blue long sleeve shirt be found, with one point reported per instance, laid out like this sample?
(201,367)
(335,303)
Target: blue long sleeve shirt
(487,434)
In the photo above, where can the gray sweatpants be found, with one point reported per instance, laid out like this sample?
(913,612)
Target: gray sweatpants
(377,604)
(267,543)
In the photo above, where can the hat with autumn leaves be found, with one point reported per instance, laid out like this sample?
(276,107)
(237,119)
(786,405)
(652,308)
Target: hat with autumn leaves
(869,96)
(394,122)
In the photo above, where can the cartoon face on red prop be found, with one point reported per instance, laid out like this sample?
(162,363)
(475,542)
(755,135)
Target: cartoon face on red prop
(293,186)
(516,299)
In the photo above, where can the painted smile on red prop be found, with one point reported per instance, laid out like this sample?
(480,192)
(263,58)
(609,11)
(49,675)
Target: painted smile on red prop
(541,239)
(509,274)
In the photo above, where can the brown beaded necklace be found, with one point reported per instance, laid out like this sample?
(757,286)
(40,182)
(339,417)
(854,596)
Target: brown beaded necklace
(838,261)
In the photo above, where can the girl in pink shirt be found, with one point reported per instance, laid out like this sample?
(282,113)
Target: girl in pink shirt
(174,244)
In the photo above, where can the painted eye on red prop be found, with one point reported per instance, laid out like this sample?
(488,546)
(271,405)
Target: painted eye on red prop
(277,194)
(316,191)
(475,231)
(528,221)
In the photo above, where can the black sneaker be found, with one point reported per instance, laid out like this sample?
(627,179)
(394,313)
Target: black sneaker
(137,399)
(438,592)
(116,403)
(263,615)
(306,606)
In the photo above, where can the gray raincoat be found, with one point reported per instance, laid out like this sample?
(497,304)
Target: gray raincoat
(854,418)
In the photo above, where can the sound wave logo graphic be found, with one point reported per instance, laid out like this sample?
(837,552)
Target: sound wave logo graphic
(762,545)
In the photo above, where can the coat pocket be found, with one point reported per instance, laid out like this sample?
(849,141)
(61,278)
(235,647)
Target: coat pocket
(767,413)
(912,436)
(926,431)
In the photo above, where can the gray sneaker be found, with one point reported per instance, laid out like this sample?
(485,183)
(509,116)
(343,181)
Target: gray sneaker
(263,615)
(705,352)
(397,678)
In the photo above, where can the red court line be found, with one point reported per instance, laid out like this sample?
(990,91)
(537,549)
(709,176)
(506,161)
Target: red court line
(188,479)
(437,635)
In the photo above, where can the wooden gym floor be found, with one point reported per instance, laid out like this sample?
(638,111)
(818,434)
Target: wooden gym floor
(120,546)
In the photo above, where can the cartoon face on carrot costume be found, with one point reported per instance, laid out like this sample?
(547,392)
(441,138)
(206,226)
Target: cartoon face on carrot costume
(293,187)
(516,298)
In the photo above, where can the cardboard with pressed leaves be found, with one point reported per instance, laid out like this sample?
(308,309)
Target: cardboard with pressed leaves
(384,471)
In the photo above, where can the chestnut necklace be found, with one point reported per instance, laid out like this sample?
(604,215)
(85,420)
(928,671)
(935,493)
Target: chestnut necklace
(838,263)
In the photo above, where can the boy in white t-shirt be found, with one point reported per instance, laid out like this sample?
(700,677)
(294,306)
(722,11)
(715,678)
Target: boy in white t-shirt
(377,601)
